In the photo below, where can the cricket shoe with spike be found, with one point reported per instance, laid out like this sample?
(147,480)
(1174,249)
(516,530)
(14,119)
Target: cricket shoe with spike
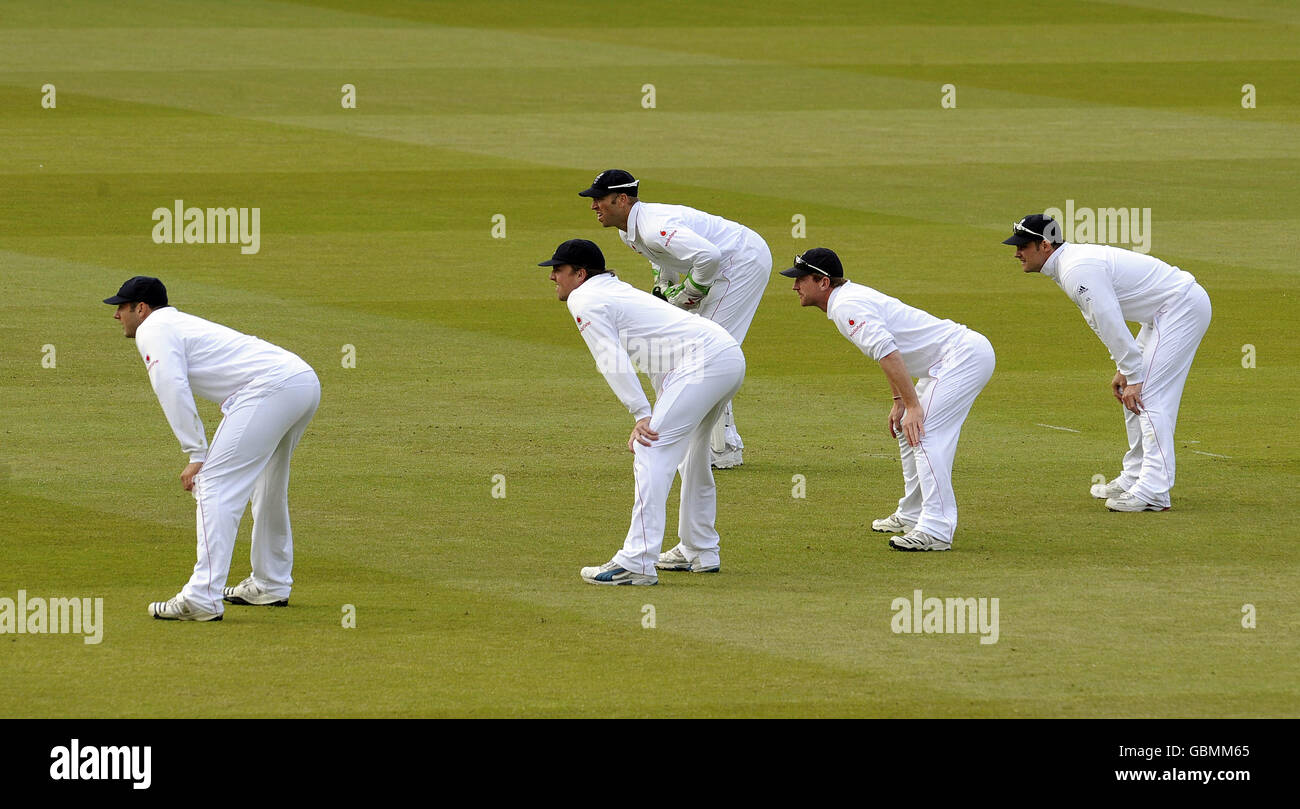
(247,593)
(177,608)
(727,459)
(1130,502)
(1105,491)
(918,541)
(893,524)
(612,573)
(676,560)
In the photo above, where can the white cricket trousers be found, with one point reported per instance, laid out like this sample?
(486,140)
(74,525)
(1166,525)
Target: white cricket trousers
(731,303)
(249,458)
(946,393)
(1168,345)
(684,412)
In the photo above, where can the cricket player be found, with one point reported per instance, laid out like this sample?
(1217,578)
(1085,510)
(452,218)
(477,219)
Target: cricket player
(267,397)
(1111,286)
(701,262)
(953,364)
(696,367)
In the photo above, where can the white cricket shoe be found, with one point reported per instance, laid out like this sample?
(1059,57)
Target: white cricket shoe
(177,608)
(729,458)
(1105,491)
(1129,502)
(893,524)
(612,573)
(918,541)
(676,560)
(247,593)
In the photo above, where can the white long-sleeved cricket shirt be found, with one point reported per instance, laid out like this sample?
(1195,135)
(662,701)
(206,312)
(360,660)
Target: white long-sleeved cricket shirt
(880,325)
(629,330)
(677,240)
(187,356)
(1111,285)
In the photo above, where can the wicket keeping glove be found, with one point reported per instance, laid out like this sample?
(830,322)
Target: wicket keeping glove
(658,289)
(687,294)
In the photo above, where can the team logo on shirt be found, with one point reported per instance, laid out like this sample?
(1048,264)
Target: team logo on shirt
(670,236)
(149,364)
(582,326)
(1082,289)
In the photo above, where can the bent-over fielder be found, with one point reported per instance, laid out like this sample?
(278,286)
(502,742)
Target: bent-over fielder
(953,364)
(696,368)
(1111,286)
(701,262)
(267,397)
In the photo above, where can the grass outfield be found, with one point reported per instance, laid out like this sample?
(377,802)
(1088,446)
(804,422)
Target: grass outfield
(377,233)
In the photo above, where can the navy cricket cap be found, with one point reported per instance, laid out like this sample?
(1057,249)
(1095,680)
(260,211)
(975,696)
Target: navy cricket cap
(817,261)
(141,289)
(1035,228)
(611,181)
(579,253)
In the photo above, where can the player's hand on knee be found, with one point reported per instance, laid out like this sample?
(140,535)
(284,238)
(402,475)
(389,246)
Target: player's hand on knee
(687,294)
(896,419)
(641,434)
(657,288)
(1132,398)
(188,474)
(913,426)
